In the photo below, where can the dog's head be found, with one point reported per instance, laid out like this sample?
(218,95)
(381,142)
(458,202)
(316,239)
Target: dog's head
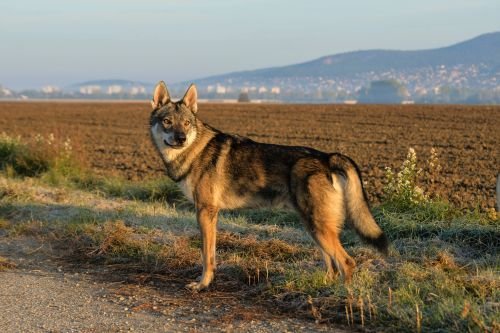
(173,124)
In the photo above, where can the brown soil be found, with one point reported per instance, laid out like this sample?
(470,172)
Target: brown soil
(113,138)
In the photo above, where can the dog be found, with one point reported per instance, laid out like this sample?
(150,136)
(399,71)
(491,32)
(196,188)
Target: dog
(216,170)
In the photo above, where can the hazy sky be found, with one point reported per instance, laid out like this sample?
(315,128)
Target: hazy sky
(63,42)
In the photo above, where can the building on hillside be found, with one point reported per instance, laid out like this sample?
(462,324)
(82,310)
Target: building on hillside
(90,90)
(350,101)
(4,92)
(220,90)
(115,89)
(50,89)
(275,90)
(137,90)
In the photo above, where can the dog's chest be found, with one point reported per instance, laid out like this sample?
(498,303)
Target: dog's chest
(186,188)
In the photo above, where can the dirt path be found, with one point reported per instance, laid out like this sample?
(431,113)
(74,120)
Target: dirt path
(41,293)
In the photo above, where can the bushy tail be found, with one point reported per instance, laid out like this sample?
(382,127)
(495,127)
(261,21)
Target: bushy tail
(358,210)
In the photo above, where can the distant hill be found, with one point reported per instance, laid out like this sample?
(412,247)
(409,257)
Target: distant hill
(482,49)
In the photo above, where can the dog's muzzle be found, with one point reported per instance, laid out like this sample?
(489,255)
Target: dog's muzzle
(175,146)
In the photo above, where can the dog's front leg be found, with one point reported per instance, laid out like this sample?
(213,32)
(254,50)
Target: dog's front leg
(207,221)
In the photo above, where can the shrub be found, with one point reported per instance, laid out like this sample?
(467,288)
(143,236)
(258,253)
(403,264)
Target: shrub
(402,193)
(402,187)
(17,158)
(35,157)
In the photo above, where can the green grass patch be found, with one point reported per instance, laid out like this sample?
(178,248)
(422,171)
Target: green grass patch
(162,190)
(442,275)
(18,158)
(55,164)
(473,230)
(430,282)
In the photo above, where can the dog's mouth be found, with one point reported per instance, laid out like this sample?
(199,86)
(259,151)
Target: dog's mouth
(175,146)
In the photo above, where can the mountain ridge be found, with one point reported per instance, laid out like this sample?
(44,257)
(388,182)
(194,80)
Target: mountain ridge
(484,48)
(359,61)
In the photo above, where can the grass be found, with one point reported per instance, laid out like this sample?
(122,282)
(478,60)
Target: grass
(442,273)
(18,158)
(445,268)
(161,190)
(6,264)
(55,163)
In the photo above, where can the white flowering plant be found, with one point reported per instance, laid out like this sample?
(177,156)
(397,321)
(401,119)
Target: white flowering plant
(402,187)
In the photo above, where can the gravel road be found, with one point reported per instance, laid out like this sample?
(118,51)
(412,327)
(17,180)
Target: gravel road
(39,293)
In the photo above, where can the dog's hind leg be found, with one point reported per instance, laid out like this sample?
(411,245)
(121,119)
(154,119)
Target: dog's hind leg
(322,208)
(331,272)
(207,221)
(329,242)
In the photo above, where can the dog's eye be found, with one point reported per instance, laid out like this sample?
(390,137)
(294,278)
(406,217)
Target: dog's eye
(167,122)
(187,123)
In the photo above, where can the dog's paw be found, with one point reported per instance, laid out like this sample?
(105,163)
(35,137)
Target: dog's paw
(195,286)
(330,277)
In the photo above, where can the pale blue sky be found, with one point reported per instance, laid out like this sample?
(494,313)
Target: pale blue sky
(63,42)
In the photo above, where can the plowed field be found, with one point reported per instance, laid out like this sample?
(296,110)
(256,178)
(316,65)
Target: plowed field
(113,138)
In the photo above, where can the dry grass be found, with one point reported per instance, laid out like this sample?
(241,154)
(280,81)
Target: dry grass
(6,264)
(442,272)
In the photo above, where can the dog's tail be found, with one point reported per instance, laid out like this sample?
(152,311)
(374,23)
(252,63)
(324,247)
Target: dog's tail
(358,210)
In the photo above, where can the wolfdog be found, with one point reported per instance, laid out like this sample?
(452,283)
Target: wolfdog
(216,170)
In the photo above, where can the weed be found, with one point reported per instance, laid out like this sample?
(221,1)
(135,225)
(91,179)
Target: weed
(35,157)
(6,264)
(17,158)
(402,187)
(4,224)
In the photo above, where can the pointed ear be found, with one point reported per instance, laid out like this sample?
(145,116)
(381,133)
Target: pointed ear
(160,96)
(190,99)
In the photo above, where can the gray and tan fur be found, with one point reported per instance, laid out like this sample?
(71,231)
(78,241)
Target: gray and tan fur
(218,171)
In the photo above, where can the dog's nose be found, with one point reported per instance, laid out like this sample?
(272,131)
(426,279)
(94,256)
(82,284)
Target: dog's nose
(181,138)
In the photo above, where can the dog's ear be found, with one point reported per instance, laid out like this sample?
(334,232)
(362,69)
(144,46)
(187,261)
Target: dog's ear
(190,99)
(160,96)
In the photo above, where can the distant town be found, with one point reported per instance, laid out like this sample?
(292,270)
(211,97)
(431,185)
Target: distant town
(441,84)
